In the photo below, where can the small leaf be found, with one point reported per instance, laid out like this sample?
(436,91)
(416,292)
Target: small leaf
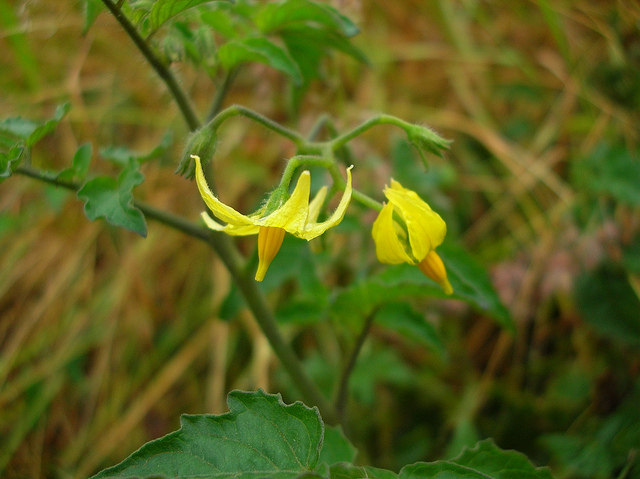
(10,160)
(113,200)
(275,16)
(163,10)
(47,127)
(79,165)
(259,49)
(484,461)
(609,304)
(260,436)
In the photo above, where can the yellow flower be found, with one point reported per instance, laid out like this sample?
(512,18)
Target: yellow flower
(407,230)
(295,215)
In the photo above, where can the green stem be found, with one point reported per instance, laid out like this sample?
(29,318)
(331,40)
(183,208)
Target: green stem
(342,140)
(239,110)
(221,93)
(252,294)
(161,69)
(343,385)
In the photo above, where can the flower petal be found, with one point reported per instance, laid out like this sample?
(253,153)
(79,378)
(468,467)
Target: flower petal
(316,205)
(313,229)
(389,248)
(243,230)
(219,209)
(292,215)
(426,228)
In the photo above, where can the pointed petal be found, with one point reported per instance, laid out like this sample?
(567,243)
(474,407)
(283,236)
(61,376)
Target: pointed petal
(269,242)
(243,230)
(316,205)
(433,267)
(389,248)
(426,228)
(219,209)
(313,230)
(292,215)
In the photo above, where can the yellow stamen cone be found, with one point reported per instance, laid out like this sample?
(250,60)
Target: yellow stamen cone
(433,267)
(269,242)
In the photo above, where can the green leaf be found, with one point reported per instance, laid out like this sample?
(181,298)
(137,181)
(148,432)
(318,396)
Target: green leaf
(259,49)
(10,160)
(121,155)
(349,471)
(163,10)
(607,302)
(280,15)
(79,165)
(401,317)
(47,127)
(470,282)
(260,436)
(611,170)
(92,9)
(336,447)
(112,200)
(484,461)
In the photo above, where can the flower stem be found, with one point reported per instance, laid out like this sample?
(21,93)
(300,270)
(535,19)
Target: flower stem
(188,113)
(342,140)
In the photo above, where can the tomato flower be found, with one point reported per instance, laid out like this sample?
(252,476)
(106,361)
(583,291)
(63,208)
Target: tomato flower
(407,230)
(294,215)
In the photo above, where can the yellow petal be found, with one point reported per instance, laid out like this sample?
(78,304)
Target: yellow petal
(313,229)
(389,248)
(230,229)
(433,267)
(269,242)
(219,209)
(316,205)
(292,215)
(425,227)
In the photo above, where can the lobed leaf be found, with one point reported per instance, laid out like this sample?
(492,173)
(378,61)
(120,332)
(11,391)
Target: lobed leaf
(164,10)
(260,436)
(112,200)
(79,164)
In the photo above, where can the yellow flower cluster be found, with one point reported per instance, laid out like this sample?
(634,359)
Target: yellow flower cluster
(407,230)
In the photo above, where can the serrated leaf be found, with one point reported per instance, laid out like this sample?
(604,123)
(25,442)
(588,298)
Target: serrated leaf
(260,436)
(262,50)
(609,304)
(79,164)
(484,461)
(112,200)
(275,16)
(163,10)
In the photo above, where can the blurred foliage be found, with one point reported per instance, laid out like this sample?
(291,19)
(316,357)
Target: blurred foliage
(104,337)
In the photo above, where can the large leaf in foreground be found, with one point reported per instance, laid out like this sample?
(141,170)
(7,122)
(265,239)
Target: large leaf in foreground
(259,437)
(484,461)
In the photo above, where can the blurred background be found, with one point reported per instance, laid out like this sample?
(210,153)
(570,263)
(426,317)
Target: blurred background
(105,337)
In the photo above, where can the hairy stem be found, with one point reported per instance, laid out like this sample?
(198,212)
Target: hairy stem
(188,113)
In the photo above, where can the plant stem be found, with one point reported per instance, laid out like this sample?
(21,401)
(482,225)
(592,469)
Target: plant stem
(188,113)
(221,93)
(343,386)
(342,140)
